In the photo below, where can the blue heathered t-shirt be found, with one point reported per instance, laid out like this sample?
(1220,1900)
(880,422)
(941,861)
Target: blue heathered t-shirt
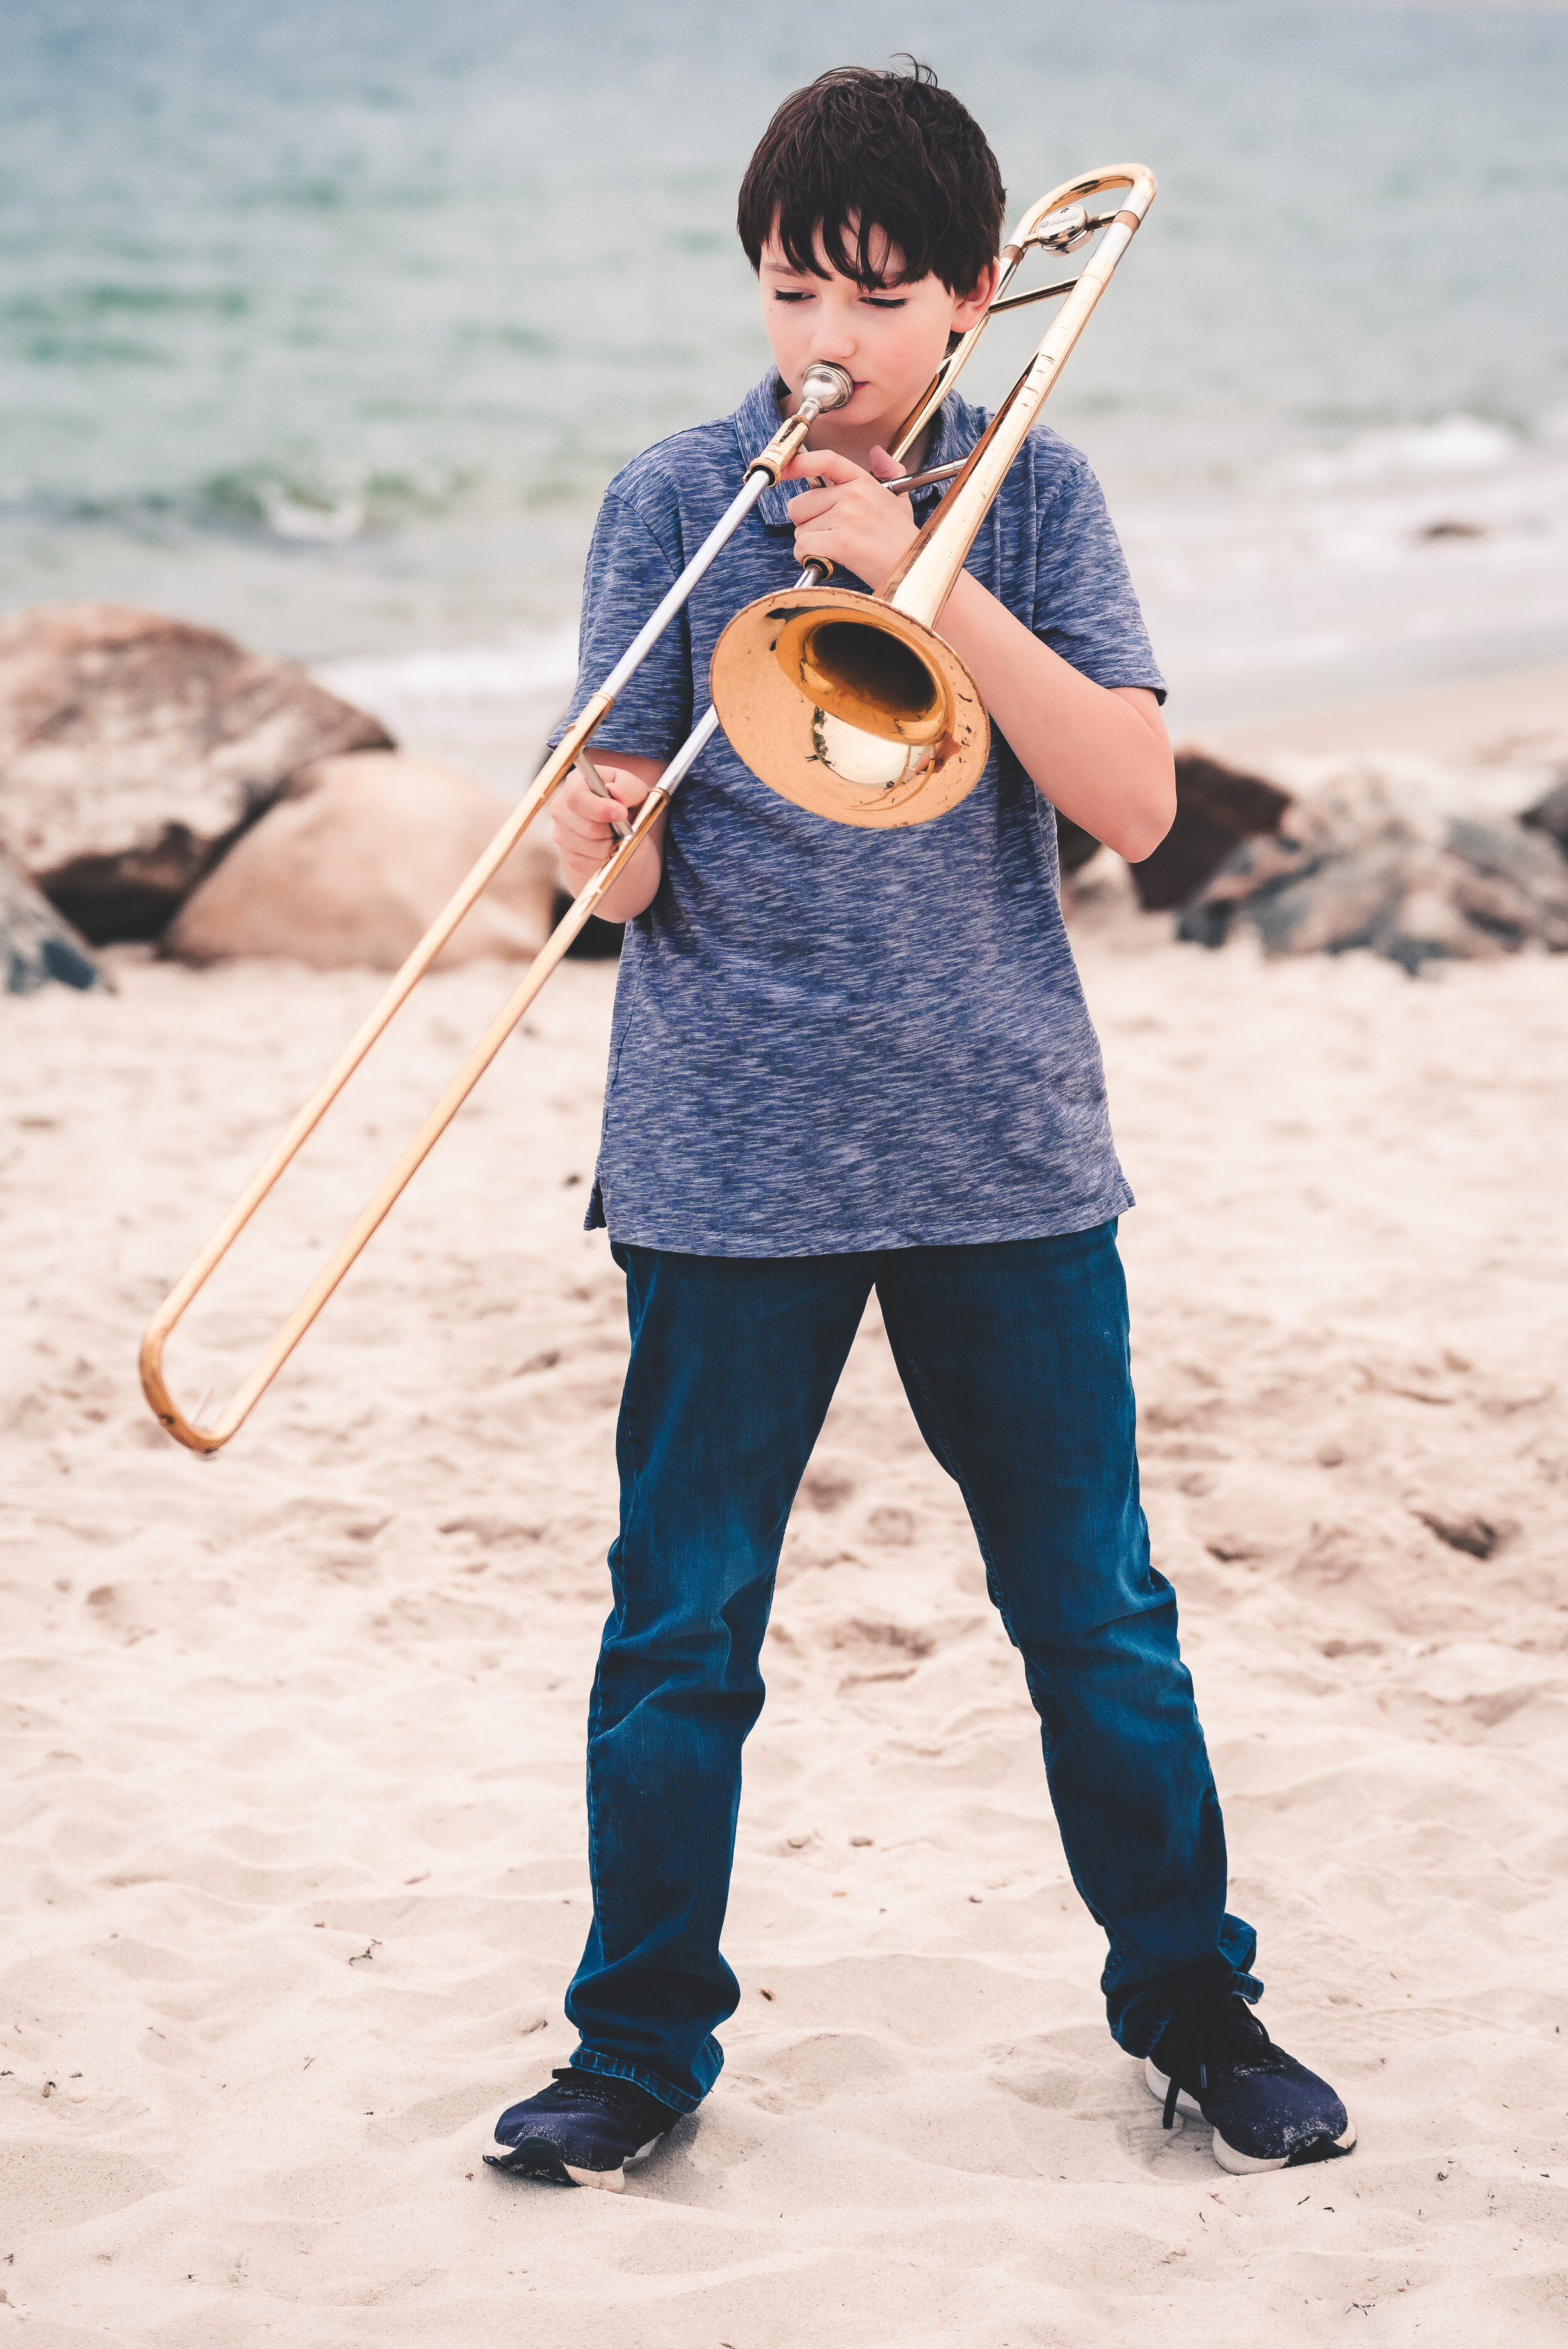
(826,1039)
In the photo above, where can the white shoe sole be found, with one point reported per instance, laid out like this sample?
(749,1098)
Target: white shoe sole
(609,2181)
(1240,2165)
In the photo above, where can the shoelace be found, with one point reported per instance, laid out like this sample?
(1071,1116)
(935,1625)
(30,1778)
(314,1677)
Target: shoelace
(576,2088)
(622,2098)
(1220,2022)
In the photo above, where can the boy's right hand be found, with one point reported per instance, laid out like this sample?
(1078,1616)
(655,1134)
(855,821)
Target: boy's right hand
(582,820)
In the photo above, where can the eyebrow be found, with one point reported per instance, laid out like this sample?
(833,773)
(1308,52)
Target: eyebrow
(788,269)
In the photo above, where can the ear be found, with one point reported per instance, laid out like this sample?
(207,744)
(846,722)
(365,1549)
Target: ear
(974,305)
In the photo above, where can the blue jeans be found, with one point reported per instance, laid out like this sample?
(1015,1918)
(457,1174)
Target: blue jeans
(1015,1358)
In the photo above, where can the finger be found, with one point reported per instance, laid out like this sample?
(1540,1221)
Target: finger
(885,467)
(619,789)
(582,815)
(812,502)
(622,785)
(851,497)
(821,465)
(584,840)
(577,801)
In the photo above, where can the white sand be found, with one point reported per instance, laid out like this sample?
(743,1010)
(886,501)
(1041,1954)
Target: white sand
(293,1870)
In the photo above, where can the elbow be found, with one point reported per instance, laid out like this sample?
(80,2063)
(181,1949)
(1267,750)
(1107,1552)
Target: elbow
(1142,824)
(1135,842)
(1151,808)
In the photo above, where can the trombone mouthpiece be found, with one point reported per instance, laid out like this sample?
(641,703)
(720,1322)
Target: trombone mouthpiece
(828,384)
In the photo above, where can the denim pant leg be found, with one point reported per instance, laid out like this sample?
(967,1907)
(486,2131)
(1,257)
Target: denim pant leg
(733,1362)
(1014,1358)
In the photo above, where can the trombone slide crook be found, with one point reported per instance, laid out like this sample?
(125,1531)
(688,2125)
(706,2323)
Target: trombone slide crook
(207,1440)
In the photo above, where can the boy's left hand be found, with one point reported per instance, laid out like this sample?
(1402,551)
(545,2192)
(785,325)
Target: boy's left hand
(850,520)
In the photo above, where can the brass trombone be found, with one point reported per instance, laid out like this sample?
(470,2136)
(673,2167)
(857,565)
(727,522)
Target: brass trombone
(847,704)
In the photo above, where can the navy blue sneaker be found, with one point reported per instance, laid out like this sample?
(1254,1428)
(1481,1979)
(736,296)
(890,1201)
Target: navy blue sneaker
(1267,2110)
(580,2131)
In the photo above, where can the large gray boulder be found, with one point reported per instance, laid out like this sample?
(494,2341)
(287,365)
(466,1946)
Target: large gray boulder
(1551,815)
(355,864)
(134,750)
(37,946)
(1337,875)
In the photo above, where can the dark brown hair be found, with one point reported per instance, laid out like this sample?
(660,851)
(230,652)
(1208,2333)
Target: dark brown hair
(895,151)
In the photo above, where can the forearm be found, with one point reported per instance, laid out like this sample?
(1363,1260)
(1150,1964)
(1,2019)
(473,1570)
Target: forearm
(1100,756)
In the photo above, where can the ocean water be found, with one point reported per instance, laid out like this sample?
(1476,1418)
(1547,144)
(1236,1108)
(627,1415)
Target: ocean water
(327,324)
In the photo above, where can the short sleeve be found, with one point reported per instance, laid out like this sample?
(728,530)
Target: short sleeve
(1085,608)
(628,571)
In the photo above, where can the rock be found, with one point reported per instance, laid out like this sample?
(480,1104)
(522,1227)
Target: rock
(1215,808)
(1517,883)
(134,750)
(355,864)
(36,947)
(1341,875)
(1551,815)
(1474,1535)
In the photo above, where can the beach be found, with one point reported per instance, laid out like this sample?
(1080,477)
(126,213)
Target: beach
(294,1854)
(327,326)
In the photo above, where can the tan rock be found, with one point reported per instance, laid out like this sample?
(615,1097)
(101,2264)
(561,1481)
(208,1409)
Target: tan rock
(357,863)
(133,748)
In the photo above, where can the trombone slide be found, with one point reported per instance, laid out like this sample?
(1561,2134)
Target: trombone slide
(904,612)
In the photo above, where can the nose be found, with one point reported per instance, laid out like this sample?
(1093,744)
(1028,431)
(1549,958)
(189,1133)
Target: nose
(835,337)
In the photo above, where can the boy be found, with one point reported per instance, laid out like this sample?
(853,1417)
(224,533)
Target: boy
(847,1059)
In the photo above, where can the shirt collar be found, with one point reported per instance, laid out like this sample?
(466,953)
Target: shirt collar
(757,420)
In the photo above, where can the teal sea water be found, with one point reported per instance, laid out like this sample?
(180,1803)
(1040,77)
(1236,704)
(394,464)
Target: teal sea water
(327,323)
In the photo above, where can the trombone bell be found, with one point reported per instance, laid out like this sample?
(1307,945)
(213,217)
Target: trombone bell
(848,708)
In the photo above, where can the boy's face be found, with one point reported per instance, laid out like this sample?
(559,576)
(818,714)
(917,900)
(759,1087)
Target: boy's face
(892,338)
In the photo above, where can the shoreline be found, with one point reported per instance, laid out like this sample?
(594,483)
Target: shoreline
(1484,719)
